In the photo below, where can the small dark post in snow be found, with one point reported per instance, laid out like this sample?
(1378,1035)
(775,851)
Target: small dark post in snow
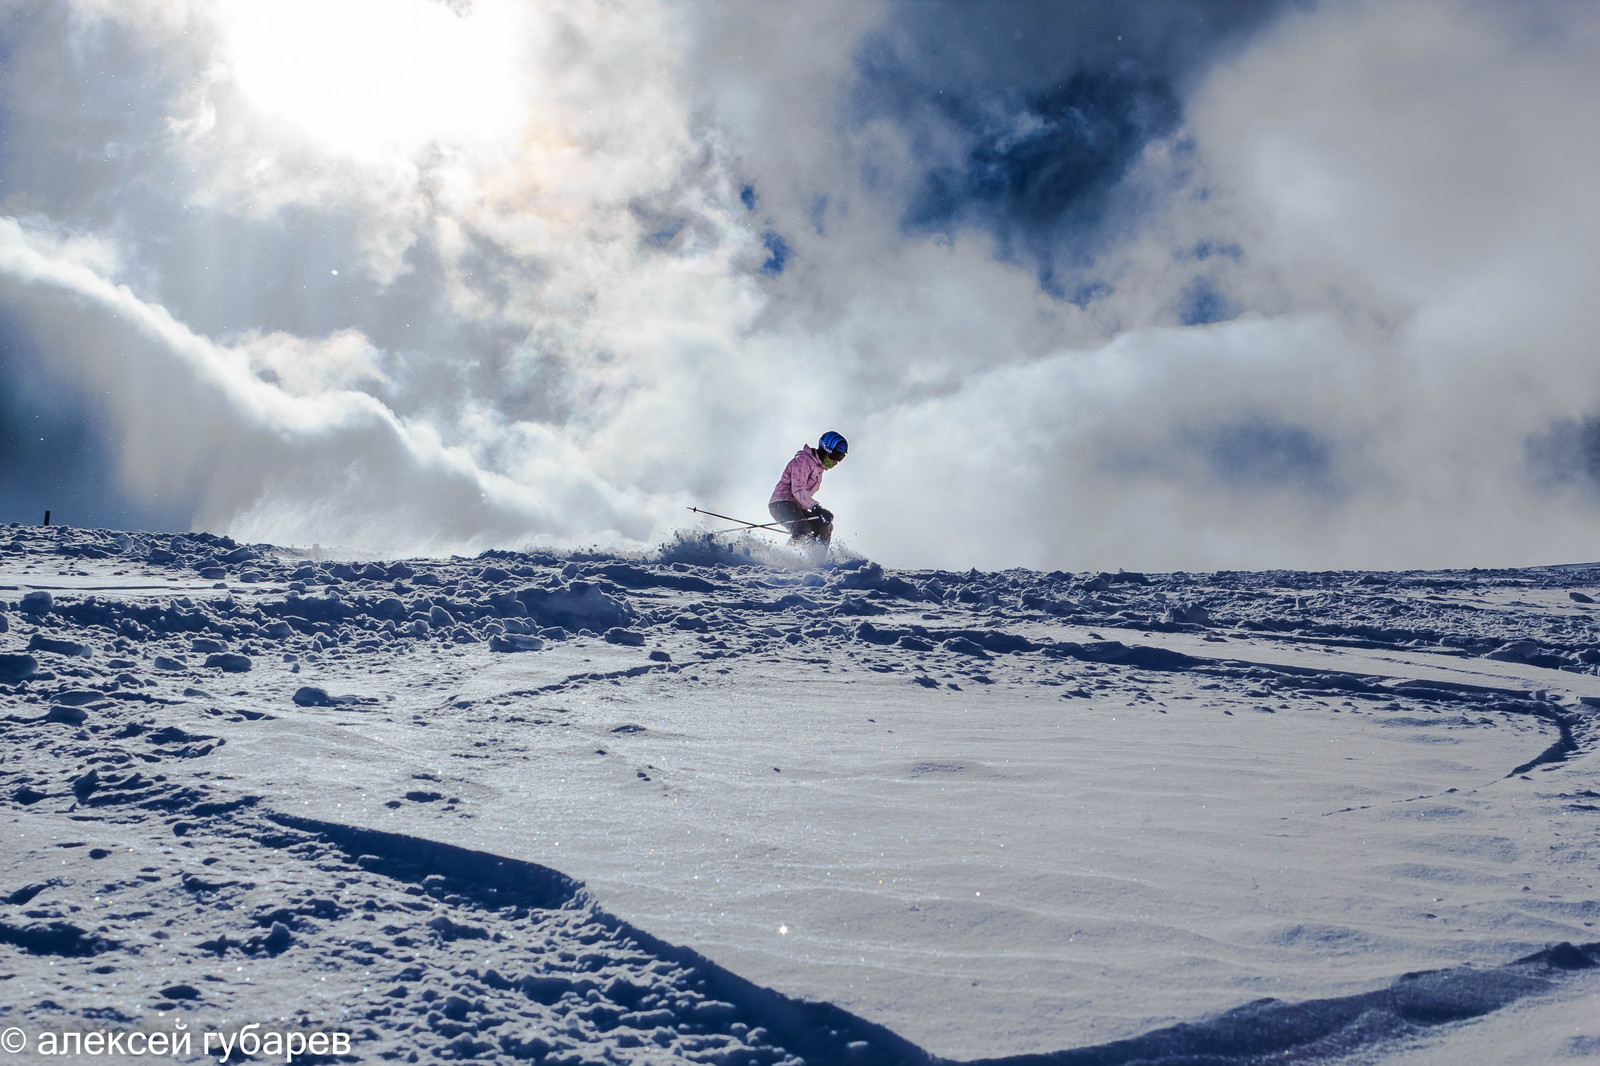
(47,518)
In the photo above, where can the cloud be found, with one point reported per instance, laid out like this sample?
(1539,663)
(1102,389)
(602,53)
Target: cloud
(337,467)
(1408,312)
(340,361)
(1086,286)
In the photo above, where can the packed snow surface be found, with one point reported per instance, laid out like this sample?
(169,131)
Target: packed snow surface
(717,805)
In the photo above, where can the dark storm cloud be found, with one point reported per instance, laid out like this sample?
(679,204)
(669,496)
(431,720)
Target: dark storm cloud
(1025,117)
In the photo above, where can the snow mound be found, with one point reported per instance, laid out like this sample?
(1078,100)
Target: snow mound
(898,815)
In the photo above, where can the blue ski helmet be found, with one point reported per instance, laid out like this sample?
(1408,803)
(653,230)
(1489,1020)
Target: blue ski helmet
(834,443)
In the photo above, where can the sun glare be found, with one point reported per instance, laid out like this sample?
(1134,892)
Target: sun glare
(371,77)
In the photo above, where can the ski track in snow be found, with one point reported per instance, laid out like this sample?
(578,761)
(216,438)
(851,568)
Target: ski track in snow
(708,807)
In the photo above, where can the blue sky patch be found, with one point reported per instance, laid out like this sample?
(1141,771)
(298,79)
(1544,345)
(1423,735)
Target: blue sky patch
(777,253)
(1202,303)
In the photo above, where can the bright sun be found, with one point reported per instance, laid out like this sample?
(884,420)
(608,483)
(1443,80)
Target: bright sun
(372,77)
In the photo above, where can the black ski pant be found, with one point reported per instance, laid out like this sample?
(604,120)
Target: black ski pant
(816,523)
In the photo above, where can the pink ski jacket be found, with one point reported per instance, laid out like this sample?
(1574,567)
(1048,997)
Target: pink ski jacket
(801,478)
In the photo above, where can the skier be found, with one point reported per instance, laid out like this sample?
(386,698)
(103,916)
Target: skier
(792,501)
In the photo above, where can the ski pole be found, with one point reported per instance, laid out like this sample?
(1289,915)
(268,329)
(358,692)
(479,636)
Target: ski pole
(748,528)
(728,518)
(774,525)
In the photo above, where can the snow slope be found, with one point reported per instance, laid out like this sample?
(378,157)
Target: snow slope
(712,807)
